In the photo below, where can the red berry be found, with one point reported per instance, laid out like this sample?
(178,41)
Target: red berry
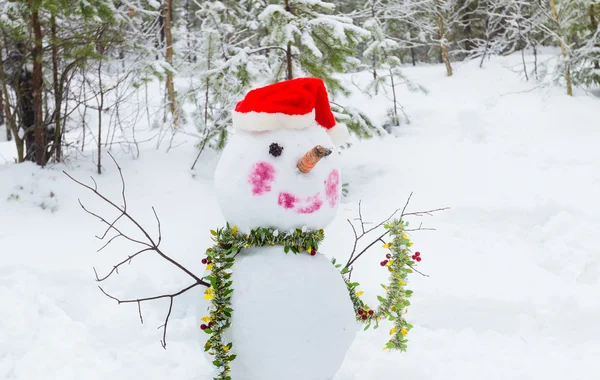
(364,317)
(418,258)
(203,326)
(204,261)
(371,312)
(388,256)
(313,252)
(383,263)
(361,312)
(417,253)
(210,324)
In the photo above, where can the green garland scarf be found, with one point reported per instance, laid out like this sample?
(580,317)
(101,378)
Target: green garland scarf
(229,242)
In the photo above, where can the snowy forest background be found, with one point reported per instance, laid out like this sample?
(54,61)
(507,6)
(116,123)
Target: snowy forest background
(65,62)
(489,107)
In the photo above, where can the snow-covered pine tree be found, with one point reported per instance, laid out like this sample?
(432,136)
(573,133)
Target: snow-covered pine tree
(66,35)
(229,64)
(400,19)
(494,14)
(569,25)
(383,57)
(584,39)
(434,23)
(310,40)
(521,32)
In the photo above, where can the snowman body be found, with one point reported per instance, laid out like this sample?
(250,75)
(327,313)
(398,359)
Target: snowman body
(292,315)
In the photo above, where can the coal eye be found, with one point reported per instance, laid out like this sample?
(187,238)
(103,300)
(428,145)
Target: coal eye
(275,150)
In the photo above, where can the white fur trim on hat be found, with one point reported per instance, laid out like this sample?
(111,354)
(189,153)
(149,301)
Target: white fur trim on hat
(262,121)
(339,134)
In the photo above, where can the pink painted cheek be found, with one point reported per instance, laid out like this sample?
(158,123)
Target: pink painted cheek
(261,178)
(332,188)
(287,200)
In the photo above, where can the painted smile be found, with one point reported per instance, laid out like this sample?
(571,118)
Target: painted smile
(263,175)
(299,205)
(313,203)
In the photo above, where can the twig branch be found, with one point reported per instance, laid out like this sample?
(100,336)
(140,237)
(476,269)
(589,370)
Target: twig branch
(416,270)
(148,244)
(171,297)
(362,223)
(116,267)
(151,243)
(353,256)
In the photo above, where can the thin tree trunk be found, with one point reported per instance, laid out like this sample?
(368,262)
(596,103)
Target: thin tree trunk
(122,58)
(395,100)
(535,65)
(288,53)
(57,92)
(207,92)
(522,50)
(188,27)
(469,31)
(167,12)
(412,48)
(3,119)
(37,87)
(85,108)
(487,44)
(374,55)
(442,33)
(288,58)
(160,41)
(563,48)
(11,122)
(100,110)
(487,41)
(524,64)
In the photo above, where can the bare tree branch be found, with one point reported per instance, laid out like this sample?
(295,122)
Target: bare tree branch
(171,297)
(151,243)
(148,245)
(352,259)
(116,267)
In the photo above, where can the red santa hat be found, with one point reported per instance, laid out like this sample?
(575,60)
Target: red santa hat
(292,104)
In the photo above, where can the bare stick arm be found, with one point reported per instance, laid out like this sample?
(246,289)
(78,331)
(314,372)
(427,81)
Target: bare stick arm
(353,256)
(145,244)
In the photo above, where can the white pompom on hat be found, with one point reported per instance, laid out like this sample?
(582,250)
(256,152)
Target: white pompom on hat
(291,104)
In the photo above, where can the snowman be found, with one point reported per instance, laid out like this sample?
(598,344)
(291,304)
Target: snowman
(292,315)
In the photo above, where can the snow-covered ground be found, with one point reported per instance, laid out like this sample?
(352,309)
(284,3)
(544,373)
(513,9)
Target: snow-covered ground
(513,266)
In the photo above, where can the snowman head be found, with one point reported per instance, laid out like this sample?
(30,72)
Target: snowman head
(280,169)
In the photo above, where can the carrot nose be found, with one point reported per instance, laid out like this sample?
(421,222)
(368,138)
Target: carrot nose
(312,157)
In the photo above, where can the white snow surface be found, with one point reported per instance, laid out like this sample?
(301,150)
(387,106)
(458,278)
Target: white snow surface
(513,266)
